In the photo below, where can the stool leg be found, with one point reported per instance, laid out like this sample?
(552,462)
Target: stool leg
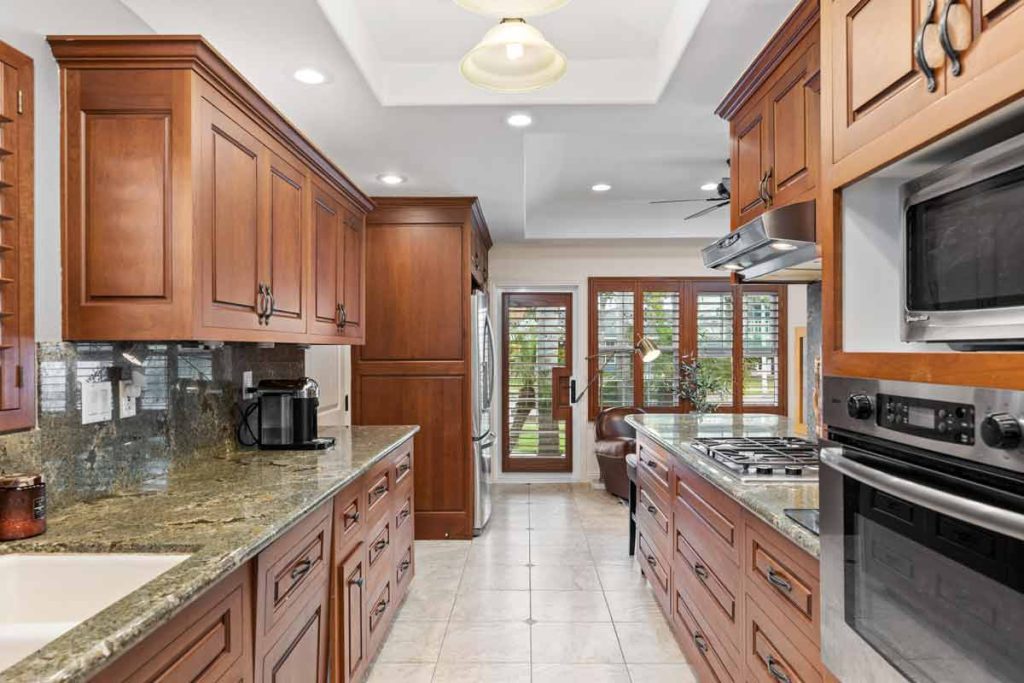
(632,519)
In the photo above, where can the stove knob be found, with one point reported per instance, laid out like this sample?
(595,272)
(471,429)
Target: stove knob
(859,406)
(1001,430)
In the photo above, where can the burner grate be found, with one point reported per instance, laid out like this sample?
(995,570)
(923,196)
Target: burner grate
(763,456)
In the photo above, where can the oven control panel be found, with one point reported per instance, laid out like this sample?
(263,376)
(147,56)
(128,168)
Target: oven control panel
(939,420)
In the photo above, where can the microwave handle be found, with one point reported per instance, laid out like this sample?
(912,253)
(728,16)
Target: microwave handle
(979,514)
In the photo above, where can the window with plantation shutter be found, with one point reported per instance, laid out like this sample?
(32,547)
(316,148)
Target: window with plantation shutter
(661,325)
(615,348)
(714,326)
(761,349)
(737,332)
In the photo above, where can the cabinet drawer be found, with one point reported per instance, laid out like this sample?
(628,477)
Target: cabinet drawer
(378,614)
(655,568)
(783,578)
(378,493)
(701,644)
(291,569)
(712,588)
(772,656)
(349,514)
(404,517)
(378,554)
(210,639)
(404,569)
(653,467)
(401,464)
(652,514)
(711,519)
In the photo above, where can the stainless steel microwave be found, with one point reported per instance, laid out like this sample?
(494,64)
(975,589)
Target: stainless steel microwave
(963,251)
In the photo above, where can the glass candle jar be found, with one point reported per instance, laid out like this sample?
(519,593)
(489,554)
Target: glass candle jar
(22,506)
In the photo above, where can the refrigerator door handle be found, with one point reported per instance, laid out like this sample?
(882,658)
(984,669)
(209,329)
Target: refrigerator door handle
(491,439)
(478,439)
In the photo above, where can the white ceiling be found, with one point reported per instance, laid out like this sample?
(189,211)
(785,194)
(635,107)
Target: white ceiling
(533,184)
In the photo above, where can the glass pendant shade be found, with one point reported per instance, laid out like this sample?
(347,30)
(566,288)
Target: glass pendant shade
(513,57)
(511,8)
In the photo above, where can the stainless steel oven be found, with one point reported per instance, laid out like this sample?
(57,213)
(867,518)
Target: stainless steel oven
(963,245)
(922,532)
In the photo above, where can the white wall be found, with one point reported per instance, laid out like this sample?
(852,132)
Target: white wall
(563,264)
(24,24)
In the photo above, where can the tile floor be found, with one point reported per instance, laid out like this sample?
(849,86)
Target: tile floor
(547,594)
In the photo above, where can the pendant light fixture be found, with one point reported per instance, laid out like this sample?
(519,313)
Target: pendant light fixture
(511,8)
(513,57)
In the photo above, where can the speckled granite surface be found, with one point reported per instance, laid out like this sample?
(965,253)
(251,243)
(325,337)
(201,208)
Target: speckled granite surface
(220,508)
(767,501)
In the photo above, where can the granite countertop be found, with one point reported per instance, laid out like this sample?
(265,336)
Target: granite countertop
(767,501)
(221,509)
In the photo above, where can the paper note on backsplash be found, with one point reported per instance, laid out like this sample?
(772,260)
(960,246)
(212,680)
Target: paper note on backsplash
(97,402)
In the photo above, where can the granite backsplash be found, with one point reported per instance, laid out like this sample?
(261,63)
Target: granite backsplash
(188,408)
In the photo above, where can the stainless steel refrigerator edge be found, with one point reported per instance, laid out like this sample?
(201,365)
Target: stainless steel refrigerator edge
(483,391)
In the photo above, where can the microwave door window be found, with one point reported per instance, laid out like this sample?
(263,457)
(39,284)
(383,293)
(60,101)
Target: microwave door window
(965,248)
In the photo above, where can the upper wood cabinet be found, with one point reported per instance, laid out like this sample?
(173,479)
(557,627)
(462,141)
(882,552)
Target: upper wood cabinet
(192,209)
(17,317)
(889,98)
(774,121)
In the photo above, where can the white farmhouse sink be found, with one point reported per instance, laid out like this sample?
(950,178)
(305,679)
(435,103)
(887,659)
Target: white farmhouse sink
(43,595)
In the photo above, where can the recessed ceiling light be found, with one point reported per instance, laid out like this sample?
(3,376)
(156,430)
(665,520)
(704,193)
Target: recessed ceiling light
(783,246)
(519,120)
(391,178)
(309,76)
(709,187)
(732,266)
(601,187)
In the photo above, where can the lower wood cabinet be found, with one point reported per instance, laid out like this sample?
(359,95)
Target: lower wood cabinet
(743,600)
(315,604)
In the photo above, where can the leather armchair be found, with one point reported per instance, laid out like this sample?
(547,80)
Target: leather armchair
(614,440)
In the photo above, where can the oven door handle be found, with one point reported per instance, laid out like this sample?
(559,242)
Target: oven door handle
(989,517)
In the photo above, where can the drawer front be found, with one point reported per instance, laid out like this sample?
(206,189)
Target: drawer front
(378,494)
(378,553)
(711,588)
(378,614)
(291,569)
(404,569)
(655,568)
(652,514)
(711,519)
(771,656)
(701,643)
(349,516)
(652,466)
(402,466)
(404,516)
(782,579)
(209,640)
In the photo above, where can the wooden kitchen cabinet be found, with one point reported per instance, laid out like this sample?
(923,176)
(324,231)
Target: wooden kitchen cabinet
(992,33)
(774,120)
(195,210)
(350,645)
(300,656)
(17,269)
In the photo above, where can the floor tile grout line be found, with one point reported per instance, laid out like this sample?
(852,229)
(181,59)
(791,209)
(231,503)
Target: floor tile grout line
(451,613)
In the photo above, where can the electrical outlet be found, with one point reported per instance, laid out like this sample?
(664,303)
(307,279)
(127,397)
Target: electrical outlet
(97,399)
(128,404)
(246,385)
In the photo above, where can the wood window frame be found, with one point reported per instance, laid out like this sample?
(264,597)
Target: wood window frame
(688,288)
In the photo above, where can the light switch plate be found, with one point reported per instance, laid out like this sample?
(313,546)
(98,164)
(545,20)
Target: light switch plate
(127,407)
(97,400)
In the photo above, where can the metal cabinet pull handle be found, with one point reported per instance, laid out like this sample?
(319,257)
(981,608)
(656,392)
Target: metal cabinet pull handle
(380,545)
(776,671)
(342,316)
(403,468)
(404,513)
(919,55)
(357,582)
(405,565)
(701,571)
(300,569)
(651,509)
(778,581)
(767,186)
(261,303)
(700,642)
(947,42)
(381,606)
(270,305)
(651,560)
(352,516)
(380,490)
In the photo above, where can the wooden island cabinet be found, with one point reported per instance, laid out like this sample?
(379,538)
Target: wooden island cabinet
(313,606)
(192,209)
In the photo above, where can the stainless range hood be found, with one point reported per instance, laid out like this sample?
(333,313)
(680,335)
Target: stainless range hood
(780,245)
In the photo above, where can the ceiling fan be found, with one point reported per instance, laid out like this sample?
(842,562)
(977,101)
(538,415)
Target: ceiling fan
(721,198)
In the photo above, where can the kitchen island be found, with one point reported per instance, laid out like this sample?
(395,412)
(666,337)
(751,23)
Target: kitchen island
(223,510)
(735,576)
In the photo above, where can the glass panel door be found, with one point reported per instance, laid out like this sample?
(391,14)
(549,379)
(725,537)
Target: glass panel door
(537,364)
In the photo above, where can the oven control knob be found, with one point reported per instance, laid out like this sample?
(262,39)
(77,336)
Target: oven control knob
(1001,430)
(859,406)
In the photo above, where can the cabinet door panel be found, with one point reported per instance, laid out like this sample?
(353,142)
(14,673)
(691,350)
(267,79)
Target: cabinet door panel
(300,656)
(353,273)
(229,221)
(996,37)
(878,83)
(286,245)
(796,130)
(328,242)
(750,159)
(350,635)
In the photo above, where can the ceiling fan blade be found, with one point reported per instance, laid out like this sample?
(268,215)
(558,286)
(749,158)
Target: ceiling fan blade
(680,201)
(704,212)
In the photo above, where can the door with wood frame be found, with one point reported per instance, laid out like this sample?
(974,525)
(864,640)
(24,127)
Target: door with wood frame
(536,367)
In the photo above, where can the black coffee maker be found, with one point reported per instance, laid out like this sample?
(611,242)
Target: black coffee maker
(287,415)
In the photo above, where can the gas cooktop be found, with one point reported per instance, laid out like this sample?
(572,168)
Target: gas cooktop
(763,459)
